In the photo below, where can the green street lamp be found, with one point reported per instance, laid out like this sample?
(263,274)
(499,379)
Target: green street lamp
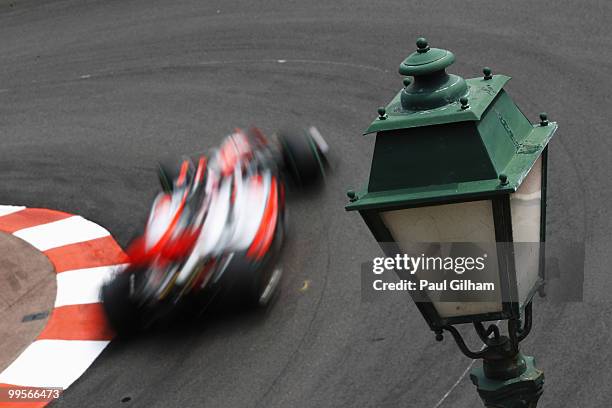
(455,160)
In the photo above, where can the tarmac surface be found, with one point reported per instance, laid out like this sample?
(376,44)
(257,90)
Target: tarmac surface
(92,93)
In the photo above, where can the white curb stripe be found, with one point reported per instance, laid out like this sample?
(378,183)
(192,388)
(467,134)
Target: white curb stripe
(63,232)
(9,209)
(82,286)
(52,363)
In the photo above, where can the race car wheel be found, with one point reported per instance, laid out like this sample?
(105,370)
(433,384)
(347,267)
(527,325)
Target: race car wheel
(122,314)
(270,287)
(302,158)
(254,283)
(264,284)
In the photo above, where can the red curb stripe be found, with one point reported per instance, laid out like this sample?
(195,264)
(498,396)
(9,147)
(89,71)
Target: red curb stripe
(77,322)
(88,254)
(30,217)
(23,404)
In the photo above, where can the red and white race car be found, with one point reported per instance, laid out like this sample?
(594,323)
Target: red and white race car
(218,224)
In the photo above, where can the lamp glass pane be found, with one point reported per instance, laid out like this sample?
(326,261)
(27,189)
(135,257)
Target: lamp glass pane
(459,222)
(526,207)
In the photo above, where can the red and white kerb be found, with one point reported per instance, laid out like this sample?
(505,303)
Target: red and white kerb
(84,255)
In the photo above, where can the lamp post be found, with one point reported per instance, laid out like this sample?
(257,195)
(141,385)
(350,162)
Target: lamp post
(455,160)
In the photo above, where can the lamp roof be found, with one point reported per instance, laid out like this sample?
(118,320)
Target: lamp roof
(443,138)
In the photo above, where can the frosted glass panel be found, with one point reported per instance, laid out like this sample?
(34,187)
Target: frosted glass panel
(525,206)
(461,222)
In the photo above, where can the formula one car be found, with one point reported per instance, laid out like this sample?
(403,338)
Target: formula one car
(217,225)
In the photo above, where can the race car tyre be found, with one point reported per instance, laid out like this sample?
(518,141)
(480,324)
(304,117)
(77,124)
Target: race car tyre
(302,158)
(252,284)
(270,287)
(265,282)
(122,314)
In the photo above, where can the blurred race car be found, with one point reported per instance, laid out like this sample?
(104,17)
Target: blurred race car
(217,225)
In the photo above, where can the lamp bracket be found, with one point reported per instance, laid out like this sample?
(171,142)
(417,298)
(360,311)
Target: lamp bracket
(496,347)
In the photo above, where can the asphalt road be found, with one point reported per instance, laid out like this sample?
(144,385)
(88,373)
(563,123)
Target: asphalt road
(92,93)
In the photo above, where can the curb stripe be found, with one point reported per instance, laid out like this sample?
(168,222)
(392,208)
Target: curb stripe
(30,217)
(77,322)
(82,286)
(9,209)
(84,255)
(88,254)
(63,232)
(65,361)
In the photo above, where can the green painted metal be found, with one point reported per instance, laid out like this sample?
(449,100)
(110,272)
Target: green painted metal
(431,86)
(426,60)
(522,391)
(444,154)
(453,172)
(476,145)
(408,197)
(433,97)
(480,94)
